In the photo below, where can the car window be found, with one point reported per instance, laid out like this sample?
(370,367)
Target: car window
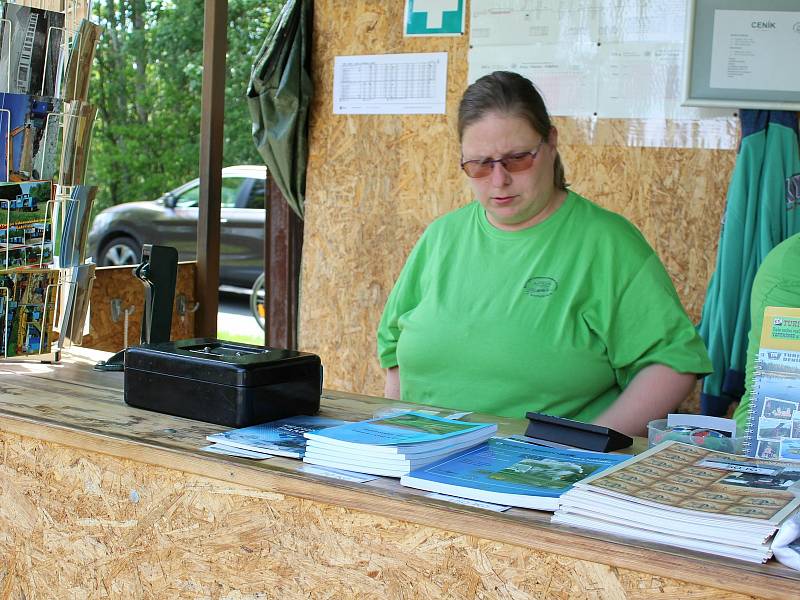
(257,197)
(230,189)
(189,198)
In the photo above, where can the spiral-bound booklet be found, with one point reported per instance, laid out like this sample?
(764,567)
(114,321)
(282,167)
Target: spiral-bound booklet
(773,422)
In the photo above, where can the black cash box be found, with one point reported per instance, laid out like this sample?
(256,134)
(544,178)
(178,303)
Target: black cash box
(222,382)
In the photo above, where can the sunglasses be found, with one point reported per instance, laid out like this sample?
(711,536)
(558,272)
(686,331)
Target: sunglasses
(513,163)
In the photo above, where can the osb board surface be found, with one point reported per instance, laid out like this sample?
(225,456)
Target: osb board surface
(118,283)
(79,524)
(375,182)
(72,394)
(70,405)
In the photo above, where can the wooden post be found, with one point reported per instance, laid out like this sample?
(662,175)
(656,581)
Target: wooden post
(283,244)
(215,24)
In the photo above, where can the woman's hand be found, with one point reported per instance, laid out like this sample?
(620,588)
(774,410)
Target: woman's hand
(654,392)
(392,388)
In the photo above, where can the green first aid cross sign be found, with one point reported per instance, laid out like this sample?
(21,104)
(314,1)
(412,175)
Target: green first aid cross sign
(434,17)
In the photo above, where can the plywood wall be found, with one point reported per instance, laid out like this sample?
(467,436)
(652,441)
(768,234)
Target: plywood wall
(80,524)
(117,285)
(375,182)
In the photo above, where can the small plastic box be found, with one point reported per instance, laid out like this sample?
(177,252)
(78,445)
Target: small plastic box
(657,432)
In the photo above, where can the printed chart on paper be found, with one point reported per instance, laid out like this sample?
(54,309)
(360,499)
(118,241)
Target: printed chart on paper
(390,84)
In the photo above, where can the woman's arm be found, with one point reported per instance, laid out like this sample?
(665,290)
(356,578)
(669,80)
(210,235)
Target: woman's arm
(392,388)
(654,392)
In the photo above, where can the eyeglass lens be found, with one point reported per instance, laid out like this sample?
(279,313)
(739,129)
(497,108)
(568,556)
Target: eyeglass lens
(512,163)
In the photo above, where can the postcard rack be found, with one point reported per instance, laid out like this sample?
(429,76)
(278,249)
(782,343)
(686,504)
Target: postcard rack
(46,124)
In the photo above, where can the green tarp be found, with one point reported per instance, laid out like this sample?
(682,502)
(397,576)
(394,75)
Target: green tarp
(279,95)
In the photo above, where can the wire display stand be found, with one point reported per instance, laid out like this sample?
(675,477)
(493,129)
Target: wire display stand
(41,216)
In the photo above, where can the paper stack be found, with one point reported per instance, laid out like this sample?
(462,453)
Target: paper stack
(393,446)
(688,496)
(504,471)
(276,438)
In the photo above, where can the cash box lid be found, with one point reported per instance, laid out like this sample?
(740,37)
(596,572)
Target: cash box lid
(220,362)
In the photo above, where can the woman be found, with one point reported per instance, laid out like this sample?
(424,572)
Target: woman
(533,298)
(777,283)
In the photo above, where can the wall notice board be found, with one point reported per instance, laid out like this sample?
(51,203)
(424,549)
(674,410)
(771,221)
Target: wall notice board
(742,53)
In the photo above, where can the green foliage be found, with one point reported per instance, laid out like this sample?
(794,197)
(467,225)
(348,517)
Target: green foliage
(146,83)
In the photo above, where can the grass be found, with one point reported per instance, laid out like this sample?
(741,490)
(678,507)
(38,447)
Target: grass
(256,338)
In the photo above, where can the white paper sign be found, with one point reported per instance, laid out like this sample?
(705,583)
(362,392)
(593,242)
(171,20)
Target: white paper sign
(566,75)
(755,50)
(390,84)
(619,59)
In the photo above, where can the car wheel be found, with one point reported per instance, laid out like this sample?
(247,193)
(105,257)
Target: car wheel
(258,298)
(120,251)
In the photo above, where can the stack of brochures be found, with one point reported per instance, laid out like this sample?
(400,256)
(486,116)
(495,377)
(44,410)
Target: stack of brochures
(276,438)
(688,496)
(504,471)
(393,446)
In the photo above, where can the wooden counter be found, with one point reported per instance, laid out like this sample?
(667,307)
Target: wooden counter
(99,500)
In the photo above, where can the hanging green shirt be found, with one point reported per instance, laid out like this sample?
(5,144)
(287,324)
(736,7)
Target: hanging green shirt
(777,283)
(556,318)
(759,214)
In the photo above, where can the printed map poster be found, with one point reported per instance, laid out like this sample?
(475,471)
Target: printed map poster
(27,303)
(25,226)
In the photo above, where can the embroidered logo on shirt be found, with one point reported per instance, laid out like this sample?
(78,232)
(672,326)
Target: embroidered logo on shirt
(539,287)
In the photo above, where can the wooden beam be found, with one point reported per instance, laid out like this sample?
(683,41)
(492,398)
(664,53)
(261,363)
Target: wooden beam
(212,108)
(283,243)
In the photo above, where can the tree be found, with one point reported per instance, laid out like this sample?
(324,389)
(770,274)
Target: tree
(146,84)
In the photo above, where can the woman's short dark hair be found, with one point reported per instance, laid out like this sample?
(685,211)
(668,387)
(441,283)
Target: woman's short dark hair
(512,94)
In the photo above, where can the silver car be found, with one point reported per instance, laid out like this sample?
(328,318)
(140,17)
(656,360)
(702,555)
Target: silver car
(117,233)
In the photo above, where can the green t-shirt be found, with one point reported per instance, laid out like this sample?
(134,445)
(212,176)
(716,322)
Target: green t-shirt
(777,283)
(555,318)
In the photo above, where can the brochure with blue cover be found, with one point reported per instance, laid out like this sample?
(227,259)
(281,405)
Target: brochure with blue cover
(388,465)
(504,471)
(283,437)
(406,433)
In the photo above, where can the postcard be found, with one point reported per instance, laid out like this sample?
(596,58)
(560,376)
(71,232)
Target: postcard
(29,128)
(31,40)
(27,311)
(78,124)
(77,212)
(79,62)
(25,224)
